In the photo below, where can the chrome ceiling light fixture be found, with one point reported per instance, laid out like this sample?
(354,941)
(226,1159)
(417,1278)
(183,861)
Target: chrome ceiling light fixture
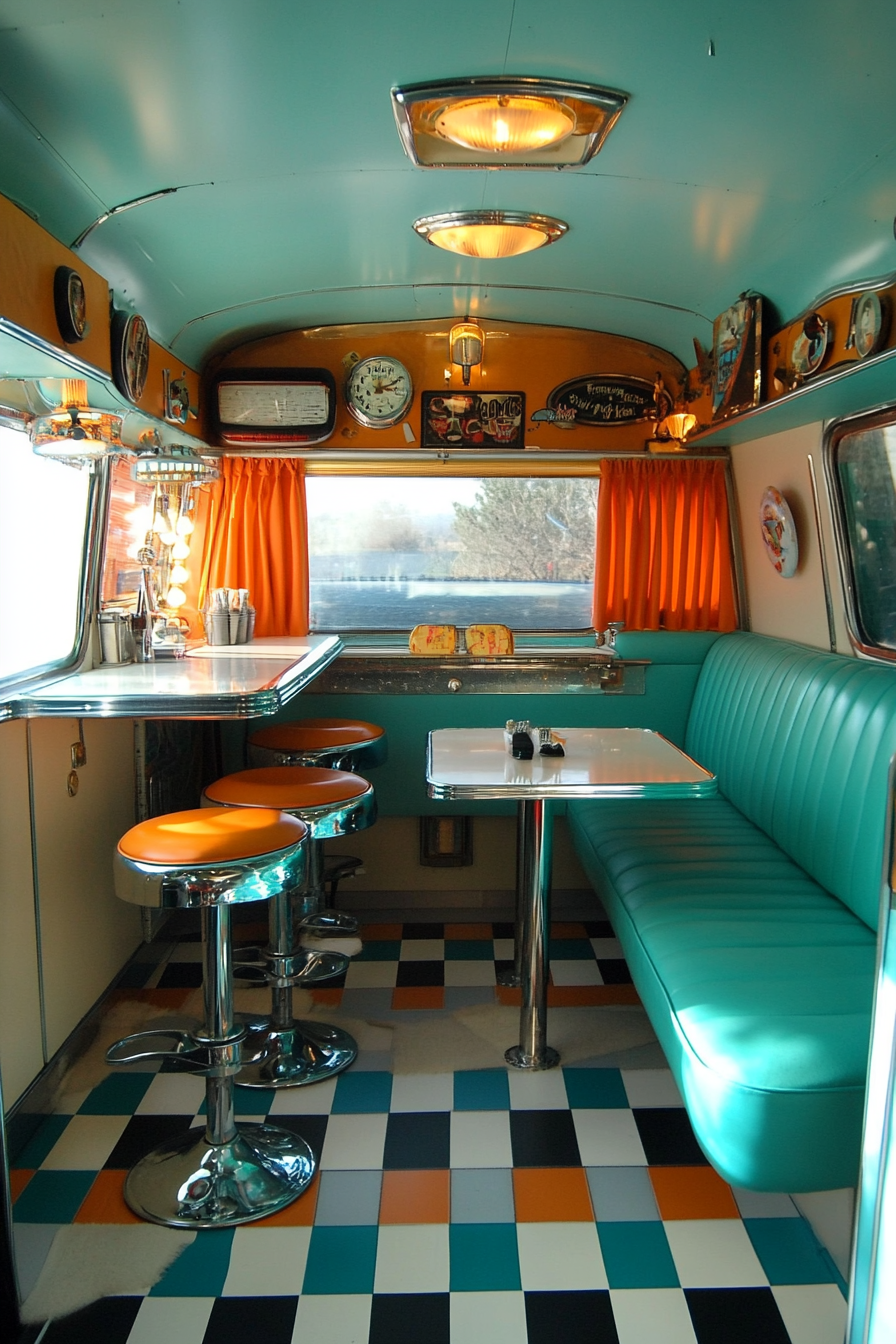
(504,121)
(177,465)
(489,234)
(75,431)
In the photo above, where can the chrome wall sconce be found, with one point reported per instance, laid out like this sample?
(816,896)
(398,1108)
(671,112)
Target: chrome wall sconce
(466,342)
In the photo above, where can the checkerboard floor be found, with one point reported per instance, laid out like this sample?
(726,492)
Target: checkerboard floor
(484,1205)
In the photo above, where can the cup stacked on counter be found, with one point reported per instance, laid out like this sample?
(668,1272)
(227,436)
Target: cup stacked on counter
(228,616)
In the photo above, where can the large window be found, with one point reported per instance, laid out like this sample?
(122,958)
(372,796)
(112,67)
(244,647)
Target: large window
(391,552)
(43,520)
(864,458)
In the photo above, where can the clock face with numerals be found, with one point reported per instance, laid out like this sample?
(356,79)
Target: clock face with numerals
(379,392)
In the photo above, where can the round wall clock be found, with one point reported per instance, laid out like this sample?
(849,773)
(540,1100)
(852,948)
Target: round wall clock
(70,302)
(779,533)
(130,354)
(379,392)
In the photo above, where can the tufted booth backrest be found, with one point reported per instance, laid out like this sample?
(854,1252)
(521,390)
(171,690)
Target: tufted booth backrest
(801,742)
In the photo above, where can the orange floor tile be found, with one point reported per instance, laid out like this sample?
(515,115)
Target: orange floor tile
(415,1197)
(298,1214)
(692,1192)
(18,1179)
(551,1195)
(105,1201)
(418,996)
(390,933)
(560,930)
(510,997)
(333,997)
(473,931)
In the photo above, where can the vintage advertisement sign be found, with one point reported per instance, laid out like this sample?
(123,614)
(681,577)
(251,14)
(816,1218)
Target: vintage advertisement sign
(602,399)
(473,419)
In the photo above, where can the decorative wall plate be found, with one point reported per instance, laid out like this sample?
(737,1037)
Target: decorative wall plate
(779,533)
(869,321)
(130,354)
(810,346)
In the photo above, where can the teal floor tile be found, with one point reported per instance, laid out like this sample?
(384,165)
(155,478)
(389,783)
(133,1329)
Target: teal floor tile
(469,949)
(379,950)
(484,1258)
(53,1196)
(119,1094)
(595,1089)
(571,949)
(42,1140)
(341,1260)
(481,1090)
(200,1270)
(637,1255)
(789,1252)
(362,1093)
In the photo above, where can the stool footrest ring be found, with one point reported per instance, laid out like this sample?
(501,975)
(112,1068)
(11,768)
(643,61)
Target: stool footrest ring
(304,967)
(171,1044)
(328,923)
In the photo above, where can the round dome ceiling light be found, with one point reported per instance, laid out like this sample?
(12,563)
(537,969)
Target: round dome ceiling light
(502,123)
(489,234)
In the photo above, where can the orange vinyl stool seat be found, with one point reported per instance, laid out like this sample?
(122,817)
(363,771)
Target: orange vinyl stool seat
(341,744)
(218,1174)
(280,1051)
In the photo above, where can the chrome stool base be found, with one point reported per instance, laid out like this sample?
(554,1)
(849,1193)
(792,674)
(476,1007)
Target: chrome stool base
(189,1182)
(306,1052)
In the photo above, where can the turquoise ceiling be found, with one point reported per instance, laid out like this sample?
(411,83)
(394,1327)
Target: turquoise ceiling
(769,164)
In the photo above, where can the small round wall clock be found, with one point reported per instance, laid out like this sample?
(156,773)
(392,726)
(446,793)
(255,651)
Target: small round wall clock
(130,354)
(779,533)
(379,392)
(70,303)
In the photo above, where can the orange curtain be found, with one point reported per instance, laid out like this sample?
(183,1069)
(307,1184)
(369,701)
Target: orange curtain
(257,539)
(663,556)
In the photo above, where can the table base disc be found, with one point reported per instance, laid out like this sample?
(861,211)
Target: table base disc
(518,1060)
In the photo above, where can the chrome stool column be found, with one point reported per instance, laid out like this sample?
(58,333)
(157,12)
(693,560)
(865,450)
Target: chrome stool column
(335,744)
(220,1174)
(281,1051)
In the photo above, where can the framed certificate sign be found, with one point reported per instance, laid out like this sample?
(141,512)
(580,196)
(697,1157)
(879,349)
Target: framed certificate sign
(274,408)
(737,357)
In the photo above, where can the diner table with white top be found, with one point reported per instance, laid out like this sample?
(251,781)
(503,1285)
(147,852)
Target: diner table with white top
(475,764)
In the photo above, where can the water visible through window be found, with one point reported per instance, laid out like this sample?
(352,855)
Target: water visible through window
(389,553)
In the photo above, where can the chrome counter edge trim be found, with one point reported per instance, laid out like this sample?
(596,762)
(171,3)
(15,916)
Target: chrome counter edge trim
(541,789)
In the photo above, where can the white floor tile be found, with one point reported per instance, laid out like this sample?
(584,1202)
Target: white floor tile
(488,1318)
(423,949)
(503,949)
(576,973)
(412,1259)
(267,1262)
(459,974)
(314,1100)
(560,1257)
(172,1094)
(611,948)
(646,1314)
(651,1087)
(762,1204)
(814,1313)
(422,1092)
(537,1091)
(331,1319)
(480,1139)
(176,1320)
(608,1139)
(85,1143)
(354,1142)
(371,975)
(714,1253)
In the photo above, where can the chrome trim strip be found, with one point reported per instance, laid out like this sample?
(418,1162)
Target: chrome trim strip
(823,553)
(35,889)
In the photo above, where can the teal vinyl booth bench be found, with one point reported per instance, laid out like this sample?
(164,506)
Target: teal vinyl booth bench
(748,920)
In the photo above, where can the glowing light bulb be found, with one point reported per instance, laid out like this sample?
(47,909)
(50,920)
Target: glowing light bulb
(179,574)
(179,550)
(176,597)
(185,526)
(168,538)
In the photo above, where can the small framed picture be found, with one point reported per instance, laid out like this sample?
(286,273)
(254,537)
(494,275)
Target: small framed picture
(737,357)
(473,419)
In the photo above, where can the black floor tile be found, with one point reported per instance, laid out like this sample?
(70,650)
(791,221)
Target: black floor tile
(313,1128)
(423,931)
(574,1318)
(599,928)
(135,975)
(420,973)
(544,1139)
(668,1138)
(141,1134)
(410,1318)
(503,930)
(735,1316)
(248,1320)
(502,967)
(181,975)
(614,971)
(418,1141)
(109,1320)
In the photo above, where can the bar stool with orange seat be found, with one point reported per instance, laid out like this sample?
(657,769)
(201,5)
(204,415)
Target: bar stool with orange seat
(281,1051)
(337,744)
(220,1174)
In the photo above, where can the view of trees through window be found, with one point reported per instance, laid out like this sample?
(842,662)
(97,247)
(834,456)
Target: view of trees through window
(387,553)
